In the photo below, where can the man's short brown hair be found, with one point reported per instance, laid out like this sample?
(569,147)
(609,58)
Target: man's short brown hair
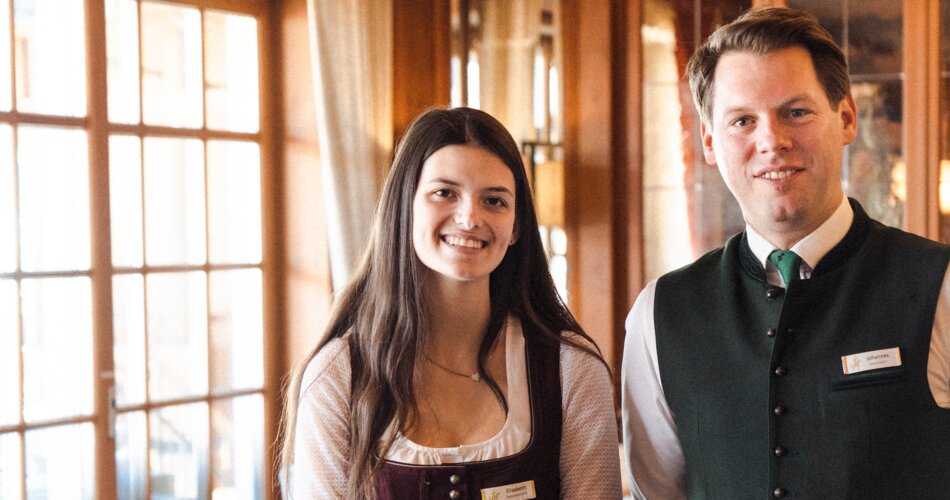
(763,31)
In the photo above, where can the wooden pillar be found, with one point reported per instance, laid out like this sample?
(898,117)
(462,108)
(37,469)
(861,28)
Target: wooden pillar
(603,179)
(421,52)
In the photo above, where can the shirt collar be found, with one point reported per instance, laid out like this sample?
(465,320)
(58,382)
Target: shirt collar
(813,247)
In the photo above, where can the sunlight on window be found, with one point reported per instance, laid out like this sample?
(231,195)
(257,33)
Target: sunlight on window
(174,201)
(9,361)
(125,199)
(50,51)
(237,329)
(122,42)
(230,75)
(131,448)
(59,462)
(54,198)
(234,202)
(171,65)
(179,451)
(237,452)
(10,472)
(5,80)
(177,334)
(57,348)
(128,332)
(8,237)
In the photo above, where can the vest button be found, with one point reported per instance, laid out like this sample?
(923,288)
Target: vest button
(779,492)
(454,494)
(454,479)
(770,332)
(780,371)
(779,410)
(780,451)
(771,293)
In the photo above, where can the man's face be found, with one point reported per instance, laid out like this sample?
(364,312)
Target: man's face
(777,141)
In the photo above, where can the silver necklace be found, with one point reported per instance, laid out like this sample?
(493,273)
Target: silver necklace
(475,376)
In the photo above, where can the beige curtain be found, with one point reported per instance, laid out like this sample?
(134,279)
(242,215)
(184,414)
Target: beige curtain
(351,50)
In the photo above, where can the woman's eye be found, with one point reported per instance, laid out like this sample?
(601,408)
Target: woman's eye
(496,202)
(442,193)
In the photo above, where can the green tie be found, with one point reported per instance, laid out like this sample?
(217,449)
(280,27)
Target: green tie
(787,263)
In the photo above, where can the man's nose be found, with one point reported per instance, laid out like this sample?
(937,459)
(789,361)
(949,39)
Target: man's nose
(772,136)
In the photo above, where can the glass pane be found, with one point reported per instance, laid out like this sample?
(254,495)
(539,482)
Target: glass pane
(231,72)
(5,78)
(171,65)
(57,348)
(50,49)
(875,36)
(54,198)
(60,463)
(7,201)
(131,456)
(179,452)
(177,335)
(874,172)
(237,446)
(9,348)
(128,316)
(125,198)
(234,201)
(10,472)
(237,330)
(174,201)
(122,37)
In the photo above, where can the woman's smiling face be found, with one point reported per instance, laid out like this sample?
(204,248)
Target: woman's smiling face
(463,213)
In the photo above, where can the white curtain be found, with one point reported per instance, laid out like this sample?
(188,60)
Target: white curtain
(351,49)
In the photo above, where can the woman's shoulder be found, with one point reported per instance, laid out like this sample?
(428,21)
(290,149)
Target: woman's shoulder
(328,368)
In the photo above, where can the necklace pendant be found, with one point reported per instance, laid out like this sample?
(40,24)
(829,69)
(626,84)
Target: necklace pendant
(476,377)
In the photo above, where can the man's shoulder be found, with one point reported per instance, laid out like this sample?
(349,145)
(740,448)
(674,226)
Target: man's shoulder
(899,239)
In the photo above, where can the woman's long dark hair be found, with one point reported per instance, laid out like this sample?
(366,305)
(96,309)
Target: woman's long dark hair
(383,311)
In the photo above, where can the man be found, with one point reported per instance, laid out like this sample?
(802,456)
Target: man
(821,373)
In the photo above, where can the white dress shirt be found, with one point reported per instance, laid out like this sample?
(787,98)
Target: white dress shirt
(653,451)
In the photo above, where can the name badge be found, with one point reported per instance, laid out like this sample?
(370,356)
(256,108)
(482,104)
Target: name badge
(518,491)
(871,360)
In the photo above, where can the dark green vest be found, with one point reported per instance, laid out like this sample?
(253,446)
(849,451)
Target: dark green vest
(754,377)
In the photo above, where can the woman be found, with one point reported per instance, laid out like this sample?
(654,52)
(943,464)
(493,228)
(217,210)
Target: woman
(450,354)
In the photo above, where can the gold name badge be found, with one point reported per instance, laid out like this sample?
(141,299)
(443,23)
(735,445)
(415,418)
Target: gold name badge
(517,491)
(871,360)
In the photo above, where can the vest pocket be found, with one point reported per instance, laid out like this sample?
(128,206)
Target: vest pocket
(869,379)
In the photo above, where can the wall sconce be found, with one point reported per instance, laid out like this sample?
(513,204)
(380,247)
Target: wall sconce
(546,174)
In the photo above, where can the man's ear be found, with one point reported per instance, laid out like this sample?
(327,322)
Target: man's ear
(708,150)
(849,119)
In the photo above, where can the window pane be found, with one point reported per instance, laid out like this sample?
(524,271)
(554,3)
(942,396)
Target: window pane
(10,472)
(7,200)
(5,77)
(54,198)
(128,316)
(122,36)
(171,65)
(59,463)
(874,172)
(50,50)
(9,362)
(125,198)
(237,444)
(130,456)
(237,330)
(231,72)
(234,173)
(179,452)
(174,201)
(57,348)
(177,335)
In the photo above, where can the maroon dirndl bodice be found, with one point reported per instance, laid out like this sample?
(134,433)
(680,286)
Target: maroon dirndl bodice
(538,462)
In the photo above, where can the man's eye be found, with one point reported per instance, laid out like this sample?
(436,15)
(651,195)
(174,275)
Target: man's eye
(742,122)
(797,113)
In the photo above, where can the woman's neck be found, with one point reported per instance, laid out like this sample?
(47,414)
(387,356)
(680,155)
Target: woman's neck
(458,319)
